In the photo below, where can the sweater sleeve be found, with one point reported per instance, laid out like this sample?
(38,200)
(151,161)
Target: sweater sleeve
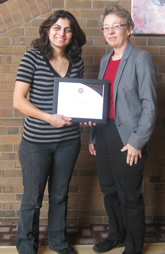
(26,68)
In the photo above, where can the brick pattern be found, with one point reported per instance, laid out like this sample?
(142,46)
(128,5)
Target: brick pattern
(14,13)
(19,22)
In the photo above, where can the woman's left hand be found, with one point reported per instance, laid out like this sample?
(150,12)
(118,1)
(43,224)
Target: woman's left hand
(133,154)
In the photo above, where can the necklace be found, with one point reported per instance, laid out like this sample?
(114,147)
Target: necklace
(57,66)
(60,67)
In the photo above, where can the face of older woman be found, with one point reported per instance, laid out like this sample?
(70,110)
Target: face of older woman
(115,31)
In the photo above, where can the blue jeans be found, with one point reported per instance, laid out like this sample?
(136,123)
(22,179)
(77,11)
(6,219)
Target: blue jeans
(41,163)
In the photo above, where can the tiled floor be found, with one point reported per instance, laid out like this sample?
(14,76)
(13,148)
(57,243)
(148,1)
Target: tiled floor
(87,235)
(149,248)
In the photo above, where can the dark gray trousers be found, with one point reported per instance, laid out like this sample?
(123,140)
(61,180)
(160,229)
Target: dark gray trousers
(121,185)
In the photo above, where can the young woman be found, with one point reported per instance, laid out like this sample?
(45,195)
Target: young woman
(50,143)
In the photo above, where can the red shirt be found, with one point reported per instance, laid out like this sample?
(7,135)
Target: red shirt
(110,75)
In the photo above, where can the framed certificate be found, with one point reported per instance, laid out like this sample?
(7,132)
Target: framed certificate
(81,99)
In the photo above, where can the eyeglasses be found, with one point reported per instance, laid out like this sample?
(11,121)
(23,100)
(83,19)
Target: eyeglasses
(67,30)
(114,27)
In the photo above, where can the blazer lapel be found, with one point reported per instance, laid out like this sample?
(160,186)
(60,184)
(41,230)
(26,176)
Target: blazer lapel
(103,65)
(120,70)
(117,79)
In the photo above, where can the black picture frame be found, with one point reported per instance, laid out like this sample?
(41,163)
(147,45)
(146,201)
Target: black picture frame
(94,92)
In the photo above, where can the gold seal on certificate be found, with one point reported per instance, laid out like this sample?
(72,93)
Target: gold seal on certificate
(81,99)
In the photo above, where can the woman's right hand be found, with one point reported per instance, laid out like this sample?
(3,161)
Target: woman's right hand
(21,103)
(92,149)
(59,121)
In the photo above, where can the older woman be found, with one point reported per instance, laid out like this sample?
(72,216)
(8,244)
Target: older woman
(50,143)
(121,144)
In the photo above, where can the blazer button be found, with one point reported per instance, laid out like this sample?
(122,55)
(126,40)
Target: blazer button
(119,124)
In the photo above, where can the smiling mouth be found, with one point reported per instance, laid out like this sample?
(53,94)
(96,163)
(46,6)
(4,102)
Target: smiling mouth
(112,38)
(60,39)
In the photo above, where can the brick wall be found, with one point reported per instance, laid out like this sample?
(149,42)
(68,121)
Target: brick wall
(19,22)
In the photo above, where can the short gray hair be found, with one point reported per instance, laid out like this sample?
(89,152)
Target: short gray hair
(119,11)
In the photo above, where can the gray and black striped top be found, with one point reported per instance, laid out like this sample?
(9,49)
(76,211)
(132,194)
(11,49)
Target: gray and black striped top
(40,75)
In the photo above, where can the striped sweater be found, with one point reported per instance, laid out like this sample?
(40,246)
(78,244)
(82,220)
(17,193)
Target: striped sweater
(40,75)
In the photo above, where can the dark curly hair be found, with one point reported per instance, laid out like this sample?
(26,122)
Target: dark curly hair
(73,50)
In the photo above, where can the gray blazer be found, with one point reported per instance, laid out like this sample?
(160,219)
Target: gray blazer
(134,94)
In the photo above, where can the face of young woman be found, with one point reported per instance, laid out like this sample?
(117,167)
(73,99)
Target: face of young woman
(60,34)
(115,31)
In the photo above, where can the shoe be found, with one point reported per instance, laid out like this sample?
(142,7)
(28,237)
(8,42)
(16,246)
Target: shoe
(67,250)
(107,245)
